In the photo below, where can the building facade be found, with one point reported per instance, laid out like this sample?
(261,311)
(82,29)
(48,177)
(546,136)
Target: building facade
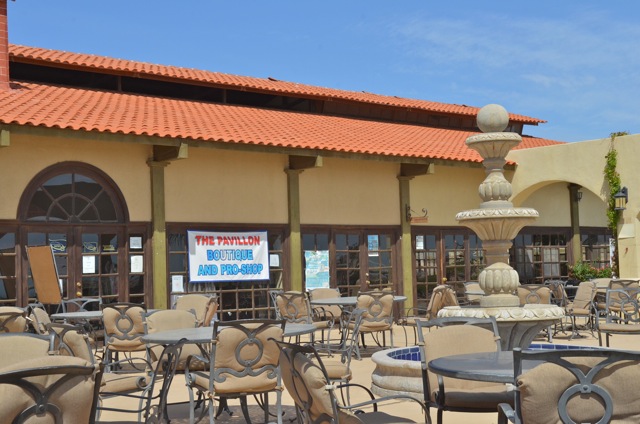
(111,162)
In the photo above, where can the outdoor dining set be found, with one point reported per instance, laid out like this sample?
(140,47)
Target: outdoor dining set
(73,363)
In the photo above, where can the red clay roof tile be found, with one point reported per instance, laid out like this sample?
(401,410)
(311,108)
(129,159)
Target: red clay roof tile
(93,110)
(122,66)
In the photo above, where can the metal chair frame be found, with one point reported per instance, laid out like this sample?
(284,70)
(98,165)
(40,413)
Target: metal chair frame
(585,385)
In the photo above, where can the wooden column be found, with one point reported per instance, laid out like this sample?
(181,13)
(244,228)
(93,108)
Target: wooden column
(405,241)
(297,164)
(162,155)
(295,238)
(159,235)
(574,210)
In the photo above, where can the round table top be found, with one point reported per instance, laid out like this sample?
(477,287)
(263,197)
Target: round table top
(347,300)
(77,315)
(204,334)
(494,367)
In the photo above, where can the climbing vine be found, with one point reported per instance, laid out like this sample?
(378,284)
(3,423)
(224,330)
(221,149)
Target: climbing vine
(613,182)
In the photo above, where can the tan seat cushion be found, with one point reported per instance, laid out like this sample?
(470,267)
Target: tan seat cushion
(113,382)
(18,348)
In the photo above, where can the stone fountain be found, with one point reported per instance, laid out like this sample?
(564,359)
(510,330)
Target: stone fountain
(496,222)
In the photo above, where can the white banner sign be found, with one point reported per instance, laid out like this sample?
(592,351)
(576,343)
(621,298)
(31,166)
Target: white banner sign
(217,256)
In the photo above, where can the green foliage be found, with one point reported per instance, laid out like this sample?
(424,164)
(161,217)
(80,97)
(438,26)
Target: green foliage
(613,182)
(584,271)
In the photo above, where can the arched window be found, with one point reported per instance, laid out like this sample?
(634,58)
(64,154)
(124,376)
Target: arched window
(72,193)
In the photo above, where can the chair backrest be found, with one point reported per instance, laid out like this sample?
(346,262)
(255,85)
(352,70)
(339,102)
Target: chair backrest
(293,306)
(442,337)
(622,306)
(245,356)
(167,319)
(40,319)
(16,347)
(459,289)
(202,305)
(601,282)
(45,274)
(72,340)
(306,379)
(327,293)
(378,310)
(578,386)
(558,292)
(585,294)
(123,326)
(441,296)
(61,388)
(12,319)
(623,284)
(534,294)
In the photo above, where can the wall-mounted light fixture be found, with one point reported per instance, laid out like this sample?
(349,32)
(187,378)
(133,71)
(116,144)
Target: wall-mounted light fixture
(578,196)
(621,198)
(410,218)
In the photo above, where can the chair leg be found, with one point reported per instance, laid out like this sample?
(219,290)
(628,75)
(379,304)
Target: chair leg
(245,409)
(439,415)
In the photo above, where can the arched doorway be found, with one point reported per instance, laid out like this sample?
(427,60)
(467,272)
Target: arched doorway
(80,212)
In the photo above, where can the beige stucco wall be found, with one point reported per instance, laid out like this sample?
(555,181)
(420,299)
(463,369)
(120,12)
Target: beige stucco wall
(27,155)
(446,192)
(224,186)
(350,192)
(583,163)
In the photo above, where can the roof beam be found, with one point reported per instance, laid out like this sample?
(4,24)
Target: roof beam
(416,169)
(169,153)
(304,162)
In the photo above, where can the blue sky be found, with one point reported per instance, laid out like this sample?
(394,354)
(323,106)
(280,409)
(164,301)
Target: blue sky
(575,64)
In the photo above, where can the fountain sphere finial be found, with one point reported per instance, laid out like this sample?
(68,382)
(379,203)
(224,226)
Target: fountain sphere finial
(492,118)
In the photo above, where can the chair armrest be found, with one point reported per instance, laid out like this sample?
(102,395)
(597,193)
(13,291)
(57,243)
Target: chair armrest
(506,414)
(373,402)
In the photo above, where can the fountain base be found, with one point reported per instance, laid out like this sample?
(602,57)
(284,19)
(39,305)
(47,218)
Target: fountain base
(518,326)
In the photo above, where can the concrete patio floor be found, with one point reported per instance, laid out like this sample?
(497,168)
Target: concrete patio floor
(362,370)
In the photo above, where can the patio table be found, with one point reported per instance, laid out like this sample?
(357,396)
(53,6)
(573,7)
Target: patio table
(347,300)
(201,335)
(496,367)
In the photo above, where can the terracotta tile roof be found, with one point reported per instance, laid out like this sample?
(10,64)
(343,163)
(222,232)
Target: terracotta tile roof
(80,109)
(127,67)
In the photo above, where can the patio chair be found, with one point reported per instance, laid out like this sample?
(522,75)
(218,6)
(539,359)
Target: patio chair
(46,281)
(12,319)
(536,294)
(450,336)
(204,307)
(408,320)
(377,316)
(582,306)
(39,318)
(339,368)
(558,297)
(172,319)
(72,340)
(622,314)
(614,284)
(123,329)
(326,312)
(139,382)
(243,361)
(305,378)
(294,307)
(575,386)
(56,389)
(17,347)
(441,297)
